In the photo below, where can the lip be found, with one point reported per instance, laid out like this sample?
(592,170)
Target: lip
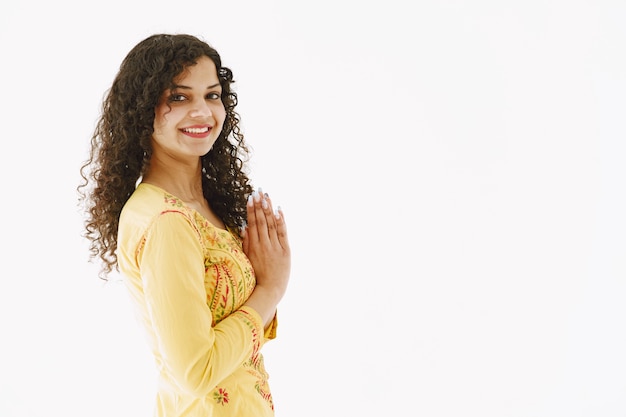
(204,131)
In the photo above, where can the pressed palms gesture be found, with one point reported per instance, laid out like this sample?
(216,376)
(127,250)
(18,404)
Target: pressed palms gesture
(266,245)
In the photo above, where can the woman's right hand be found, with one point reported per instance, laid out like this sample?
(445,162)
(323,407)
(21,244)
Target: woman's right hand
(266,245)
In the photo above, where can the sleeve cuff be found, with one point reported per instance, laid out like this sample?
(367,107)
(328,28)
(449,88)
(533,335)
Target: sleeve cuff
(255,319)
(270,332)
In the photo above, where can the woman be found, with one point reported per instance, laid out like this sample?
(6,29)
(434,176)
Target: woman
(206,260)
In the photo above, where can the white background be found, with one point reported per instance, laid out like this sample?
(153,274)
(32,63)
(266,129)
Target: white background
(452,173)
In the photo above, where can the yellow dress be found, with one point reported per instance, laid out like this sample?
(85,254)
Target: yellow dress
(188,281)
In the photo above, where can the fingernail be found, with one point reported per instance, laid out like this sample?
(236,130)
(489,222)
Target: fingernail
(276,214)
(250,197)
(264,203)
(257,197)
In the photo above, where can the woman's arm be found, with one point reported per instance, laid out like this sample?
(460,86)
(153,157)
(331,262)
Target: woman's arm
(196,355)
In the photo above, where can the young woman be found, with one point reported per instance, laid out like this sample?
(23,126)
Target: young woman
(205,258)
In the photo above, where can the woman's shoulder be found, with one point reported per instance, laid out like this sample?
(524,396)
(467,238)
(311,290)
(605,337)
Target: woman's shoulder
(147,203)
(148,209)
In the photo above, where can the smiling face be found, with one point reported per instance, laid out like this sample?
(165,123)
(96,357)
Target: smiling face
(190,115)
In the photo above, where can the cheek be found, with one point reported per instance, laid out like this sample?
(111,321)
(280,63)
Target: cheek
(220,113)
(159,118)
(165,118)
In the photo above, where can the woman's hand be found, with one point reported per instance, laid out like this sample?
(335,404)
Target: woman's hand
(266,245)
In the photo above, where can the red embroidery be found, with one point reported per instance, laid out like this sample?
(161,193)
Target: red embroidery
(221,396)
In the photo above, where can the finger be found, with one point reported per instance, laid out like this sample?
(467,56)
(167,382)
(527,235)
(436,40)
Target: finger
(281,229)
(252,230)
(244,238)
(270,218)
(261,221)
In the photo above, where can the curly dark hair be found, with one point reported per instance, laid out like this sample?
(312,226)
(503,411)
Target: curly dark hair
(121,148)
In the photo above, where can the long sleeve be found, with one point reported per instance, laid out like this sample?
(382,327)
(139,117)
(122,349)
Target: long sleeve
(196,355)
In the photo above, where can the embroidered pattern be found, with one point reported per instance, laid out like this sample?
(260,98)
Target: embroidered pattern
(263,389)
(220,396)
(256,339)
(229,277)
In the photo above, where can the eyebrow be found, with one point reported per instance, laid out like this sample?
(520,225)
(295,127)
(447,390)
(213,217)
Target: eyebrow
(184,87)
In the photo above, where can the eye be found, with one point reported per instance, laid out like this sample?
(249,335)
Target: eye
(176,97)
(214,96)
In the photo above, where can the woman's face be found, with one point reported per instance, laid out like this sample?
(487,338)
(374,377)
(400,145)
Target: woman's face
(190,116)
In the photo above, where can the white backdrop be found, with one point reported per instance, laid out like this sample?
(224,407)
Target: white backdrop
(453,177)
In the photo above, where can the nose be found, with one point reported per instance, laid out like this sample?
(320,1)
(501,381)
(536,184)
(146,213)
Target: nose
(200,109)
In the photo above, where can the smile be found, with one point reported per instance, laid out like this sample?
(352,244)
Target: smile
(196,130)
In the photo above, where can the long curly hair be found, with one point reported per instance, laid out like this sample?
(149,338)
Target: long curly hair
(121,148)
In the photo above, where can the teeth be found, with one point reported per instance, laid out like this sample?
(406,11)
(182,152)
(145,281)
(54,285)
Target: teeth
(196,130)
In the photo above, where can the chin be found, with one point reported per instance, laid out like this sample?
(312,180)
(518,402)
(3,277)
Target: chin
(207,150)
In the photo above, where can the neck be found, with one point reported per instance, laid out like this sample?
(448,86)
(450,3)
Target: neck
(184,180)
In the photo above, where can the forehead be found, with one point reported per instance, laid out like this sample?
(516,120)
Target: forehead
(202,71)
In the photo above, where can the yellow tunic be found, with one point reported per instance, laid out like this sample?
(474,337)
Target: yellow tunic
(188,281)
